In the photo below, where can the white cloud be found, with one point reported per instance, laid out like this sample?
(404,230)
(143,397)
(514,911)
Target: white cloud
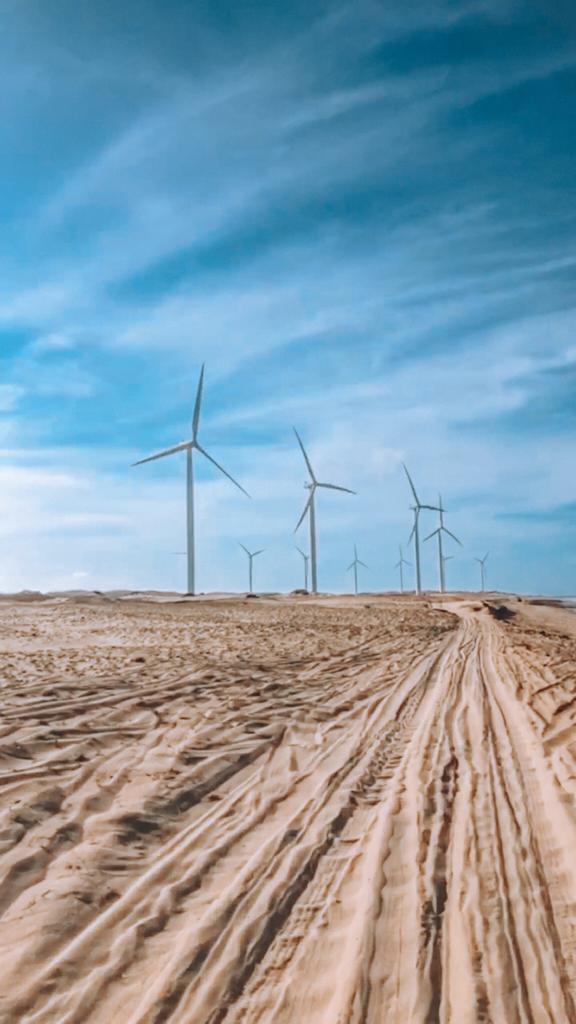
(241,149)
(54,342)
(10,395)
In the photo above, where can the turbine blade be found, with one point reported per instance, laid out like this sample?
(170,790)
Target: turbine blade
(430,535)
(411,482)
(362,563)
(453,535)
(306,459)
(351,566)
(167,451)
(431,508)
(303,516)
(334,487)
(485,556)
(412,532)
(222,470)
(197,404)
(254,553)
(244,549)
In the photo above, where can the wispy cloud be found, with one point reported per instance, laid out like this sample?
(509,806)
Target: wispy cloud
(356,217)
(9,397)
(561,515)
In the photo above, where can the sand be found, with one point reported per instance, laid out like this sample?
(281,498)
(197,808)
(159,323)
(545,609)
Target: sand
(340,811)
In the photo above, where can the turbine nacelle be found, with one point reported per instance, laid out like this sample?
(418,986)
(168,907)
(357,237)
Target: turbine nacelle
(440,530)
(251,554)
(402,561)
(357,561)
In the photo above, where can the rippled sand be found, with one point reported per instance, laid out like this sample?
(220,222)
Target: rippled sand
(343,811)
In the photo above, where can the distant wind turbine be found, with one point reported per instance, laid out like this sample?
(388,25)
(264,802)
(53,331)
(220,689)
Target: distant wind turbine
(188,447)
(251,557)
(354,565)
(400,565)
(306,560)
(310,507)
(482,564)
(446,558)
(417,508)
(438,534)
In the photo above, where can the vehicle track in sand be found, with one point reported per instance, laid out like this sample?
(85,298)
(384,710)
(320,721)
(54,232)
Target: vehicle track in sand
(382,831)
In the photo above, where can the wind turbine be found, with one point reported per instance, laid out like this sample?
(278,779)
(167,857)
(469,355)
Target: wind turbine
(306,560)
(251,557)
(400,565)
(438,533)
(446,558)
(189,447)
(482,564)
(354,565)
(417,508)
(310,507)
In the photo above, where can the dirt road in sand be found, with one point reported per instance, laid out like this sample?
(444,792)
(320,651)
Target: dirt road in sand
(248,811)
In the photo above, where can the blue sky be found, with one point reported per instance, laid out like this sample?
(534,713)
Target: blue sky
(361,216)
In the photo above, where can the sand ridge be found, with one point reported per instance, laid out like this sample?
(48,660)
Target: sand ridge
(336,811)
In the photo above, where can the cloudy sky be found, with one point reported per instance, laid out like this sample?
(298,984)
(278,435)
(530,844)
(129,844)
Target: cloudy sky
(361,215)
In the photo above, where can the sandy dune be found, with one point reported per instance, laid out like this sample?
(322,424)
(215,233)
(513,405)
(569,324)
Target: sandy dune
(241,811)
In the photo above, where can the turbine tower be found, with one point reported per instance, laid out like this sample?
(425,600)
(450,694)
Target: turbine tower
(306,560)
(354,565)
(482,564)
(251,557)
(438,533)
(400,565)
(189,447)
(417,508)
(310,507)
(446,558)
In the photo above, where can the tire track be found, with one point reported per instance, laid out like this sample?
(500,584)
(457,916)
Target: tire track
(377,833)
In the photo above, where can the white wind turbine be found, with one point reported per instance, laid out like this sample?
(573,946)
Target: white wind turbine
(438,534)
(446,558)
(400,565)
(417,508)
(306,560)
(354,565)
(251,557)
(482,564)
(310,507)
(189,447)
